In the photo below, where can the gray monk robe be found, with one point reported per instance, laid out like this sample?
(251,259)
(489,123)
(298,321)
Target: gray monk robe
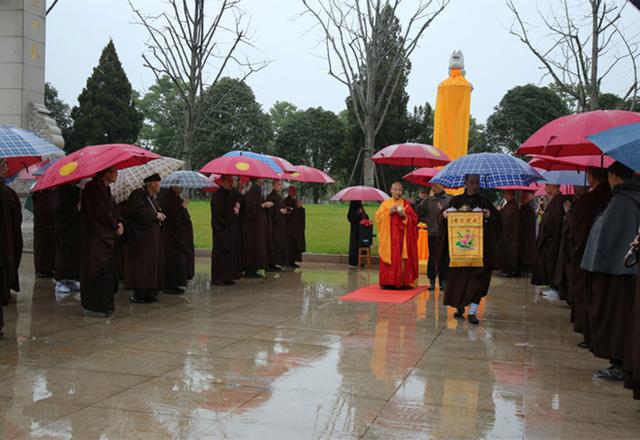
(548,243)
(99,268)
(466,285)
(610,286)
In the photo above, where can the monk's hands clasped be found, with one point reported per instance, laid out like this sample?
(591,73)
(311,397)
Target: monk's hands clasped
(267,205)
(236,208)
(161,217)
(119,229)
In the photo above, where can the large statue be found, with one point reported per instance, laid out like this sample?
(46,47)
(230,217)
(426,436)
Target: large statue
(453,106)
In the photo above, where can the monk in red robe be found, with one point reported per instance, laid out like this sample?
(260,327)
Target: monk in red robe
(397,241)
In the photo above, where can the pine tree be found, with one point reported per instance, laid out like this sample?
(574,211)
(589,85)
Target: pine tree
(106,112)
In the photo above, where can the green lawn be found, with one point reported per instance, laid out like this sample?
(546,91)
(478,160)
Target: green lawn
(327,227)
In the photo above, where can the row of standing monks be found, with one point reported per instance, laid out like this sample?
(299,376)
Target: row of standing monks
(251,233)
(580,252)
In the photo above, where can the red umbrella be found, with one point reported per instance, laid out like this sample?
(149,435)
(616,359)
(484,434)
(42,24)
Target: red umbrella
(567,136)
(567,190)
(421,176)
(576,163)
(287,166)
(240,166)
(360,193)
(533,187)
(89,161)
(415,155)
(304,173)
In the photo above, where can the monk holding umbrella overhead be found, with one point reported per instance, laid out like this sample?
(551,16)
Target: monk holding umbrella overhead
(397,241)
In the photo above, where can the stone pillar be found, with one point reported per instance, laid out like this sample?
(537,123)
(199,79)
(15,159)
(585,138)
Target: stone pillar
(22,56)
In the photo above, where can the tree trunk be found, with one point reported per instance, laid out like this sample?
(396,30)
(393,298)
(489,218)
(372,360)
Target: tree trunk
(187,147)
(595,35)
(368,166)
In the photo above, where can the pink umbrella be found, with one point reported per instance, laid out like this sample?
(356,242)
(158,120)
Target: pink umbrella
(286,166)
(89,161)
(567,136)
(567,190)
(415,155)
(304,173)
(240,166)
(421,176)
(361,193)
(28,173)
(533,187)
(570,163)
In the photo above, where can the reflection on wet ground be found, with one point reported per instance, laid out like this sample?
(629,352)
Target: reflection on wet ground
(284,358)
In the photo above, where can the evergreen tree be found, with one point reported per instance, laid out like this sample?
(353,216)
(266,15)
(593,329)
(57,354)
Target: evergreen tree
(60,111)
(106,111)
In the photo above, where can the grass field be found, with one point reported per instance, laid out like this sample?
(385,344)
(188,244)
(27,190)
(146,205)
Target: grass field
(327,227)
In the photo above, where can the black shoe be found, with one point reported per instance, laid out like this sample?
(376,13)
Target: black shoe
(228,283)
(443,284)
(473,319)
(459,313)
(252,275)
(432,285)
(44,274)
(137,300)
(217,283)
(274,269)
(294,265)
(174,291)
(583,344)
(613,373)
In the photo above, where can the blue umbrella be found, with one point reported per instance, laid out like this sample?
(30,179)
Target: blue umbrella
(261,157)
(495,170)
(620,143)
(565,177)
(187,179)
(21,148)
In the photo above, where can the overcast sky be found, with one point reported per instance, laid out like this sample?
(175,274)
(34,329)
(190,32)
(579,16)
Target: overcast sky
(78,30)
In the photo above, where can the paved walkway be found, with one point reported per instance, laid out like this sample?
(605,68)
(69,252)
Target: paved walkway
(284,358)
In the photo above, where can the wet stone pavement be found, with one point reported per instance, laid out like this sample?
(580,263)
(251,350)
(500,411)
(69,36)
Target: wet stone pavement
(283,358)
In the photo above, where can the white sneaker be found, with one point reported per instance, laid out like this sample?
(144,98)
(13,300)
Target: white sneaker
(62,287)
(551,294)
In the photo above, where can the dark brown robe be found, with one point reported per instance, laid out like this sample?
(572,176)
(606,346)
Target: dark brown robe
(296,224)
(143,245)
(6,255)
(68,222)
(526,238)
(254,228)
(466,285)
(176,241)
(548,243)
(562,276)
(44,235)
(278,245)
(99,268)
(12,217)
(226,234)
(632,361)
(191,258)
(580,220)
(510,214)
(238,197)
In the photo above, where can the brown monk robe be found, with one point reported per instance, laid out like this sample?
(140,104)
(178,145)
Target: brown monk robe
(68,222)
(526,234)
(239,187)
(562,275)
(12,226)
(296,220)
(191,258)
(254,230)
(278,245)
(466,286)
(632,367)
(580,220)
(143,268)
(175,240)
(100,232)
(226,233)
(44,236)
(509,213)
(610,285)
(548,242)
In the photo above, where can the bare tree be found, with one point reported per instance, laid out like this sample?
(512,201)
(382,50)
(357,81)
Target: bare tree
(588,41)
(184,42)
(353,33)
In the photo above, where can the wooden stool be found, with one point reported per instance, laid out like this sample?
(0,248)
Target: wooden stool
(364,254)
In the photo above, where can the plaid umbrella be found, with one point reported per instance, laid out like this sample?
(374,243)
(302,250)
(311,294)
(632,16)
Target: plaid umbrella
(188,179)
(22,148)
(131,178)
(495,170)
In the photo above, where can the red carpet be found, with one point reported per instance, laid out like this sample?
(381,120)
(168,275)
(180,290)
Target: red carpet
(374,293)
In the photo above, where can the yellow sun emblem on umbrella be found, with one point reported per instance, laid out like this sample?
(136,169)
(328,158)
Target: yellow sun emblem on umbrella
(242,166)
(296,174)
(68,168)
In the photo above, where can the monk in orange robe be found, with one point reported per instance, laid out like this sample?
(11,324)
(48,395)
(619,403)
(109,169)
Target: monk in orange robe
(397,241)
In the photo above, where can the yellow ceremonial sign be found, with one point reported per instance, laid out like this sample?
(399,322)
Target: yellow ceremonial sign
(466,239)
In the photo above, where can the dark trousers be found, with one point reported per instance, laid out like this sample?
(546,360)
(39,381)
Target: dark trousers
(431,265)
